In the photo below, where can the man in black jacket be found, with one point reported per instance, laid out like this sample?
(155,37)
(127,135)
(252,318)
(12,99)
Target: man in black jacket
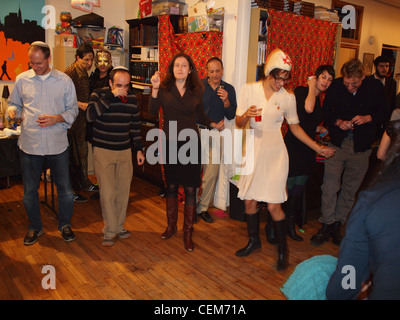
(382,65)
(354,107)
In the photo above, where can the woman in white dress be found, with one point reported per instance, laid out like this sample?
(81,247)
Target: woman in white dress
(267,181)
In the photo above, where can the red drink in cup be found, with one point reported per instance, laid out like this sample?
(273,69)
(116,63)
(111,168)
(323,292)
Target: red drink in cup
(258,118)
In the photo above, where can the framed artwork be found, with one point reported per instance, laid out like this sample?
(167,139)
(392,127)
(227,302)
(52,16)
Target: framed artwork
(368,61)
(20,25)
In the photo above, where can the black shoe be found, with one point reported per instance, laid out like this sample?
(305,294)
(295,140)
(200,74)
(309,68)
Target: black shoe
(95,196)
(80,198)
(206,217)
(335,232)
(322,235)
(31,237)
(253,245)
(93,188)
(291,231)
(67,233)
(163,192)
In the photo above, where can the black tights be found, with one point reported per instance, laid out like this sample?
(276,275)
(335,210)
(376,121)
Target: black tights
(190,193)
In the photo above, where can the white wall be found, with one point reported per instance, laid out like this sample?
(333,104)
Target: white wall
(113,12)
(236,30)
(380,21)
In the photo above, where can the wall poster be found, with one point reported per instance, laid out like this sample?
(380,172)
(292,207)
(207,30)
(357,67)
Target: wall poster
(20,25)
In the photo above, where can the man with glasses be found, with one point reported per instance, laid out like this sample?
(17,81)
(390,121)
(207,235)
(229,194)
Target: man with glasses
(353,109)
(219,100)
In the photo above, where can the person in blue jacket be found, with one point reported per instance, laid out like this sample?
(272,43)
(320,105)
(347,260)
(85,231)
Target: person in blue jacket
(369,255)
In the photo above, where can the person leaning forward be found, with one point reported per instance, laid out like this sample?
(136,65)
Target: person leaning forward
(353,109)
(45,100)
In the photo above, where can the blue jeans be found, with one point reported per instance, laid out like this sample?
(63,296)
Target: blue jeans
(32,167)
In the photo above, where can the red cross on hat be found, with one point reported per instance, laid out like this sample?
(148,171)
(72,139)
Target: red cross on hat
(287,60)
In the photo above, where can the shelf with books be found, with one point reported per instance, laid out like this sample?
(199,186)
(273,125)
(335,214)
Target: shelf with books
(257,43)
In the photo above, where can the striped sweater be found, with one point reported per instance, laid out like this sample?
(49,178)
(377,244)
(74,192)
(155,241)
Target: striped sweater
(116,124)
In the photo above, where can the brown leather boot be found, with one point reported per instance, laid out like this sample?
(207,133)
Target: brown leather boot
(189,215)
(172,218)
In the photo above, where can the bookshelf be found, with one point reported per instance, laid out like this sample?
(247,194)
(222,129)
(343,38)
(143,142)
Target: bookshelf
(257,43)
(143,51)
(143,63)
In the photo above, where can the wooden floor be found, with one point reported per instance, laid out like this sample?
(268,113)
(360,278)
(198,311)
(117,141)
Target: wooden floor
(143,267)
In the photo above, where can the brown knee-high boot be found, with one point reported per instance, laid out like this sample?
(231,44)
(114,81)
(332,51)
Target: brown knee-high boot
(172,217)
(189,215)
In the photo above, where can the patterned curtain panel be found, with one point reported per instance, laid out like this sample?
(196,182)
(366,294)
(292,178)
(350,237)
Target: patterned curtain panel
(200,46)
(309,42)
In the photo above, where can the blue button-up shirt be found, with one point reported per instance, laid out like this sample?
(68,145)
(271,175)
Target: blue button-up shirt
(32,97)
(214,106)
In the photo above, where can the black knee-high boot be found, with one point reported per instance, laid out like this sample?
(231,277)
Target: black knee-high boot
(291,213)
(269,229)
(283,252)
(253,226)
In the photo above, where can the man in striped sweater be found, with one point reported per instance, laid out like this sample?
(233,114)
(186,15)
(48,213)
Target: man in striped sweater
(116,129)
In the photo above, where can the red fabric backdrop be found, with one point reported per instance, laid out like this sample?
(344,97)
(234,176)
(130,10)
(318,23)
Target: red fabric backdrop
(309,42)
(200,46)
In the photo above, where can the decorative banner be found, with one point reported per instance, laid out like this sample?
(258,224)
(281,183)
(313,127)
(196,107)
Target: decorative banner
(20,25)
(145,8)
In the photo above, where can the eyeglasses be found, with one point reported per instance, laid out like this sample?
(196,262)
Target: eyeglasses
(354,84)
(280,79)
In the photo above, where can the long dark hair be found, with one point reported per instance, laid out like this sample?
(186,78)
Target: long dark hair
(193,81)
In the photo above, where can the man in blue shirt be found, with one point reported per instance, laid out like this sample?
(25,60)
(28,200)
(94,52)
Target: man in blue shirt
(219,100)
(45,100)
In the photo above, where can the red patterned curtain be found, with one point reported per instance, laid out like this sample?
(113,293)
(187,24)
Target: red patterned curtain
(200,46)
(309,42)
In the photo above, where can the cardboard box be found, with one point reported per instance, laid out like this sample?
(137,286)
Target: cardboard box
(171,7)
(208,22)
(65,40)
(92,35)
(198,23)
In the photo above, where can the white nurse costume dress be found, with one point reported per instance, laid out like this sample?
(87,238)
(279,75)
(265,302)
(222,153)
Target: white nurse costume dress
(267,181)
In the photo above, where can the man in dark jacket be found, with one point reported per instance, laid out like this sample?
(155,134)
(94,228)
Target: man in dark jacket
(382,65)
(354,107)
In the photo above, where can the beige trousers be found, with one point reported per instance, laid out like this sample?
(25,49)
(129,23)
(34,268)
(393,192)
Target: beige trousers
(114,174)
(210,174)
